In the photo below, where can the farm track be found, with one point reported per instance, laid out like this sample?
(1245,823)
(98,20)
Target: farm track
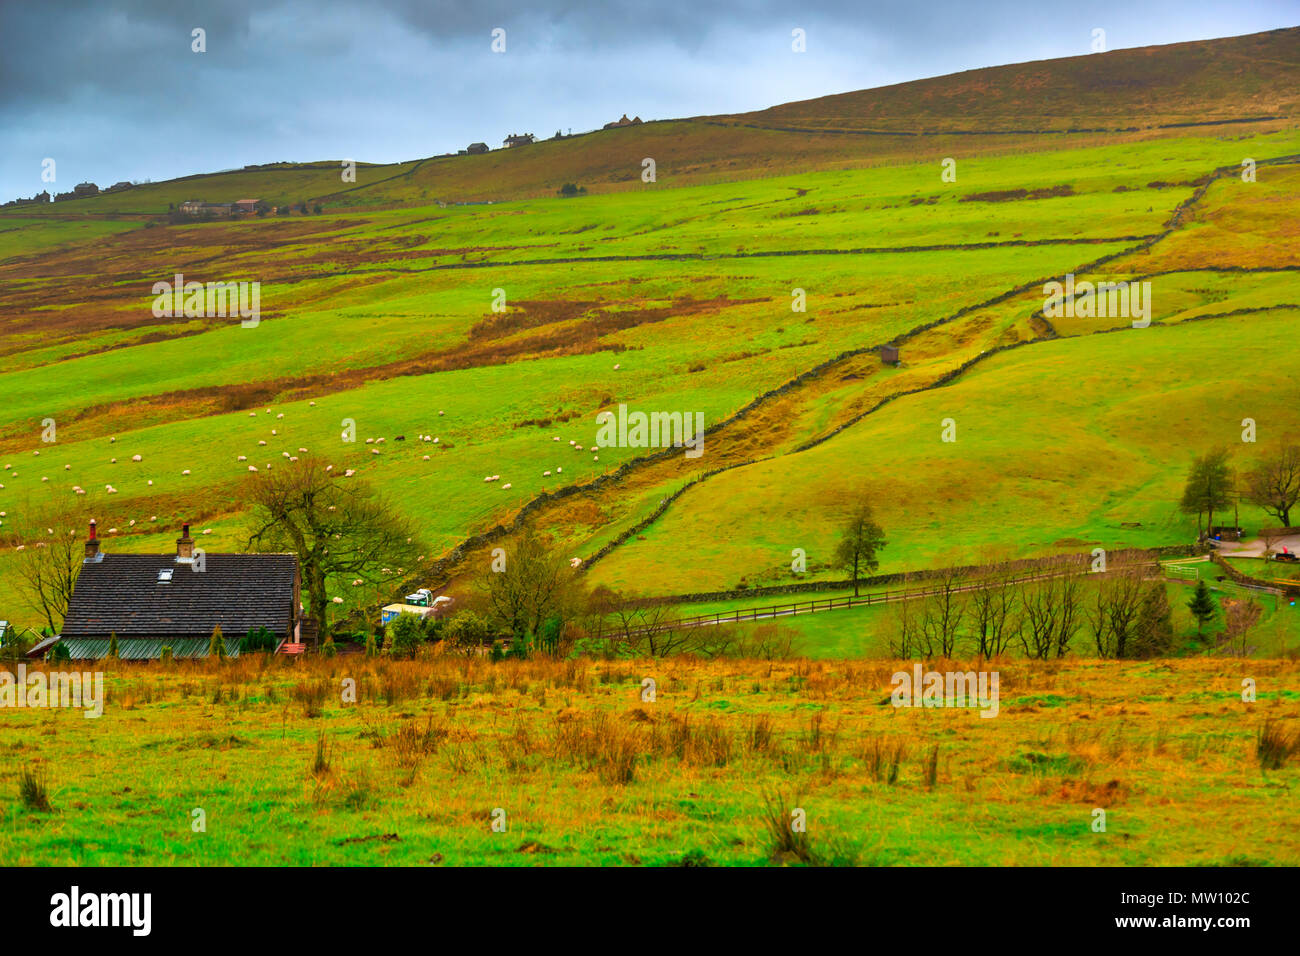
(533,509)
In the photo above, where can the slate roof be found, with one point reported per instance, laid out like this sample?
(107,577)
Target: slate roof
(121,593)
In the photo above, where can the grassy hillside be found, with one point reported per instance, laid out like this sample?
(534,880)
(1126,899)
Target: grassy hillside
(678,295)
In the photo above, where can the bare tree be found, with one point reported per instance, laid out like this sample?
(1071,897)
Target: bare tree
(993,612)
(1240,616)
(339,528)
(1274,484)
(49,562)
(942,614)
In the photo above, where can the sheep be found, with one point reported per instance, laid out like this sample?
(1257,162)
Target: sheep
(579,447)
(185,472)
(302,451)
(110,530)
(440,412)
(44,479)
(294,458)
(595,458)
(435,441)
(356,582)
(242,458)
(207,531)
(370,441)
(281,415)
(273,431)
(252,414)
(67,468)
(252,468)
(349,473)
(617,366)
(150,482)
(312,404)
(487,477)
(284,454)
(137,457)
(37,453)
(506,486)
(572,442)
(112,439)
(153,517)
(380,441)
(329,467)
(261,442)
(558,469)
(546,474)
(112,461)
(80,491)
(574,562)
(426,457)
(132,522)
(338,600)
(374,451)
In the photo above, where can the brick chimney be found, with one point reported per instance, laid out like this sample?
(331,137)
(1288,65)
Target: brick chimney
(92,546)
(185,546)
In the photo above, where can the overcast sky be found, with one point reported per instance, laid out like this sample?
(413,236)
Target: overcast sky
(113,91)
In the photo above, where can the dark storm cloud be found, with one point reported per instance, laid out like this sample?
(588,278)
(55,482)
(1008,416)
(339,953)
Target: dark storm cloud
(112,90)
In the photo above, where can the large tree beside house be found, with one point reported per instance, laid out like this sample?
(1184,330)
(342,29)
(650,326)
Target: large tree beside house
(46,568)
(339,527)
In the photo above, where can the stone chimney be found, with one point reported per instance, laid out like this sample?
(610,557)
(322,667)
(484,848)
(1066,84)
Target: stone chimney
(185,546)
(92,546)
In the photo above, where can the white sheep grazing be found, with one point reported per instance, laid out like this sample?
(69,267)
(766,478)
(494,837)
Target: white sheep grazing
(80,491)
(487,477)
(558,469)
(112,531)
(546,474)
(150,482)
(284,454)
(374,451)
(572,442)
(370,441)
(44,479)
(356,582)
(252,414)
(242,458)
(153,517)
(440,412)
(302,451)
(273,431)
(261,442)
(617,367)
(435,441)
(329,467)
(132,522)
(281,415)
(426,457)
(111,461)
(37,453)
(556,438)
(506,486)
(207,531)
(579,447)
(379,441)
(338,600)
(113,439)
(312,404)
(137,458)
(252,468)
(67,468)
(574,562)
(595,458)
(185,472)
(349,473)
(294,458)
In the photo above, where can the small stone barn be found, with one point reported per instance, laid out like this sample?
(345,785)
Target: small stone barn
(152,600)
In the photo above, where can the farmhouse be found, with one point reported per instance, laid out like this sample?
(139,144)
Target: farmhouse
(195,207)
(245,205)
(521,140)
(476,148)
(152,600)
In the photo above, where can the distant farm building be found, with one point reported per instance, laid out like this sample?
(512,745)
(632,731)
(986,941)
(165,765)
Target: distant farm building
(245,205)
(85,189)
(476,148)
(195,207)
(176,600)
(521,140)
(889,354)
(623,121)
(118,187)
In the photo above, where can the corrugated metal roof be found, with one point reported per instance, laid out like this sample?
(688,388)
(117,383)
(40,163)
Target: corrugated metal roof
(145,648)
